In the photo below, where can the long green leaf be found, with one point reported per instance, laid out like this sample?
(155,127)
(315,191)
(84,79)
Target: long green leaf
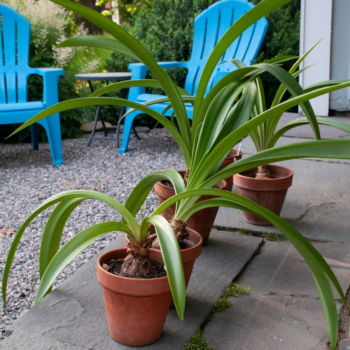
(225,145)
(142,189)
(295,89)
(304,247)
(71,249)
(315,261)
(95,101)
(172,260)
(132,44)
(53,231)
(243,23)
(99,42)
(215,118)
(150,83)
(303,121)
(14,246)
(219,86)
(336,149)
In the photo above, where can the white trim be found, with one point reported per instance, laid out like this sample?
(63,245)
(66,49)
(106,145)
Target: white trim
(316,23)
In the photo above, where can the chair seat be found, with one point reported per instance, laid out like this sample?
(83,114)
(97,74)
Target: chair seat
(149,97)
(4,107)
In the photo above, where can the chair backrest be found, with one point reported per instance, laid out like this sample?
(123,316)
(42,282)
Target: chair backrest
(14,56)
(209,27)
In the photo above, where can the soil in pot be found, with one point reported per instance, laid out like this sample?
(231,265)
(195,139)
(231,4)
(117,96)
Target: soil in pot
(232,156)
(202,221)
(190,250)
(114,267)
(270,193)
(133,301)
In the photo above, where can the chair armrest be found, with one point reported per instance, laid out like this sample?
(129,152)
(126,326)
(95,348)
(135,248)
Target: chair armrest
(50,76)
(139,71)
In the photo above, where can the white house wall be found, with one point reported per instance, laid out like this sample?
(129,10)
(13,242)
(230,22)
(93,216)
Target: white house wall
(340,64)
(316,23)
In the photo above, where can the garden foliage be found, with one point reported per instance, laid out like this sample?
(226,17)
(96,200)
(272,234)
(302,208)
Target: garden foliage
(50,25)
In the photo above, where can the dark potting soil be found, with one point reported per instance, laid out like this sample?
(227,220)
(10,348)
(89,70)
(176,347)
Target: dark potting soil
(114,266)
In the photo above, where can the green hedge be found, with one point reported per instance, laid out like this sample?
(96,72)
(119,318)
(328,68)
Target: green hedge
(166,30)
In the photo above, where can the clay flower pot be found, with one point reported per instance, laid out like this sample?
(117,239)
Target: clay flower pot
(202,221)
(269,193)
(136,308)
(229,160)
(188,256)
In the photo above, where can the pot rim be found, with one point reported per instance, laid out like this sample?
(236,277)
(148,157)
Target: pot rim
(255,184)
(186,252)
(181,172)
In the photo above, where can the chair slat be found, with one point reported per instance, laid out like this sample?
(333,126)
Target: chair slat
(9,38)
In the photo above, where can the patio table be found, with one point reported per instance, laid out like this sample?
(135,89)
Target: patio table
(114,77)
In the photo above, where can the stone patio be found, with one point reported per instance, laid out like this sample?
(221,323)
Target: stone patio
(282,310)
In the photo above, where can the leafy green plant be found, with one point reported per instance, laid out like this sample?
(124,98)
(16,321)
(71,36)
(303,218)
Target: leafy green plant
(220,120)
(53,260)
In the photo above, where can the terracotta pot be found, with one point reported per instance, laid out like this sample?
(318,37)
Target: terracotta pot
(229,160)
(202,221)
(188,256)
(136,308)
(269,193)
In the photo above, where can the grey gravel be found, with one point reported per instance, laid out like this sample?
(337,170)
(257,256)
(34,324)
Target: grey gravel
(28,177)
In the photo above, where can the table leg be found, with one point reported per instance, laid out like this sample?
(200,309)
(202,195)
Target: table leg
(94,127)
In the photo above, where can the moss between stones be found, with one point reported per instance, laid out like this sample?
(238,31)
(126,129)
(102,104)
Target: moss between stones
(197,342)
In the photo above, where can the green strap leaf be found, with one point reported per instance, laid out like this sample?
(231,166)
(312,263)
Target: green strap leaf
(72,248)
(243,23)
(95,101)
(336,149)
(133,45)
(305,248)
(142,189)
(100,42)
(225,145)
(172,260)
(312,257)
(303,121)
(150,83)
(53,231)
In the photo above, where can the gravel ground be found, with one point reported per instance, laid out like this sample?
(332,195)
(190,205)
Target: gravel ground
(28,177)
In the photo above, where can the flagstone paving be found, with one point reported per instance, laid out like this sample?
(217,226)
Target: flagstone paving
(73,314)
(282,310)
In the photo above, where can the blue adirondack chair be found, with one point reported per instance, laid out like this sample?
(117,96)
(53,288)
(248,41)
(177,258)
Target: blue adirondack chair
(14,72)
(209,27)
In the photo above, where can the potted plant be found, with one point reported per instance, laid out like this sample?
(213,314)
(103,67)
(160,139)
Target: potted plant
(224,110)
(136,287)
(267,185)
(220,120)
(127,297)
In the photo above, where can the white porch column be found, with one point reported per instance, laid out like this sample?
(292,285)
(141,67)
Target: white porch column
(316,23)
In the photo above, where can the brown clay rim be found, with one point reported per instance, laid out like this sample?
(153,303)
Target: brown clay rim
(234,153)
(282,179)
(186,254)
(221,184)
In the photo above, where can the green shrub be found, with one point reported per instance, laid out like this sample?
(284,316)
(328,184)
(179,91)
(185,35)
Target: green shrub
(166,31)
(282,38)
(51,24)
